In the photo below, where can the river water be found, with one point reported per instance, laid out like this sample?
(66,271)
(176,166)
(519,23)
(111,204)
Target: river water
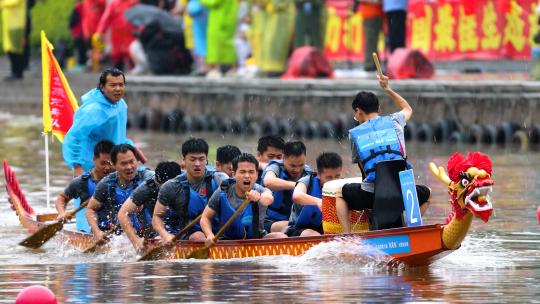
(499,261)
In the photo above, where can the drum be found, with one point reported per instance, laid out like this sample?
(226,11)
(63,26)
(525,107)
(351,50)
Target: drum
(359,219)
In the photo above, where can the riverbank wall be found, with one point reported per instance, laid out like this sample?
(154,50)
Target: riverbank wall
(487,111)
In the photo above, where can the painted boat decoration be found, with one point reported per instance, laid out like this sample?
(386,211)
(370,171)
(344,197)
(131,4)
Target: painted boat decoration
(419,245)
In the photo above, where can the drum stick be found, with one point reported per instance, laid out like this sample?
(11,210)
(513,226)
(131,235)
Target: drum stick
(377,63)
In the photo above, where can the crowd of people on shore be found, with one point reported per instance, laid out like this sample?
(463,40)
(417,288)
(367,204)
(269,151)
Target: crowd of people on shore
(199,37)
(285,193)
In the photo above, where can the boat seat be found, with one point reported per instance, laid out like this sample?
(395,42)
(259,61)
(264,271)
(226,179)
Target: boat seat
(388,201)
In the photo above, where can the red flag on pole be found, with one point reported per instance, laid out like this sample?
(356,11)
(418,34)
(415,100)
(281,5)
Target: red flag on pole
(59,103)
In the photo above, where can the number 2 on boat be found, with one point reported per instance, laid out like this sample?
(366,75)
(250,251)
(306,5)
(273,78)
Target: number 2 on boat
(410,198)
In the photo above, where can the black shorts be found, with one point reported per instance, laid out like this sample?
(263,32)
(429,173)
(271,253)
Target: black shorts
(296,231)
(358,199)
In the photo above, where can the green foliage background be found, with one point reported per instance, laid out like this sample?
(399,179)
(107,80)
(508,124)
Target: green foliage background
(52,16)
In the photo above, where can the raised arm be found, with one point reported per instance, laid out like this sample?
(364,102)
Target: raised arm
(399,101)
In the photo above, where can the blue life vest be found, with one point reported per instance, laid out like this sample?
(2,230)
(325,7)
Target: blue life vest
(246,225)
(108,216)
(81,221)
(311,216)
(280,209)
(194,207)
(376,140)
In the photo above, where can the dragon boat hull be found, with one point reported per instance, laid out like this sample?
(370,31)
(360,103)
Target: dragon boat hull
(420,245)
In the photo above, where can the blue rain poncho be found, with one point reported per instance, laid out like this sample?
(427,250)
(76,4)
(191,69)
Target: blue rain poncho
(97,119)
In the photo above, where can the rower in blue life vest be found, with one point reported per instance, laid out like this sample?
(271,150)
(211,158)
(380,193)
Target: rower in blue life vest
(102,116)
(376,138)
(226,201)
(184,197)
(269,147)
(306,214)
(143,201)
(224,157)
(113,190)
(281,177)
(82,187)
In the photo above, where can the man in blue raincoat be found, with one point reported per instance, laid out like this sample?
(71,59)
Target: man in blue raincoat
(102,115)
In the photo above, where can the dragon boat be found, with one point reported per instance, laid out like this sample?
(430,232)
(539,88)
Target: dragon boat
(469,185)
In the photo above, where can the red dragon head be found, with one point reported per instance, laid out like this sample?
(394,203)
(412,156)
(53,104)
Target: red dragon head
(469,183)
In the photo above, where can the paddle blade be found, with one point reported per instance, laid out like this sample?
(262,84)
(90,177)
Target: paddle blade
(41,236)
(96,245)
(201,254)
(157,253)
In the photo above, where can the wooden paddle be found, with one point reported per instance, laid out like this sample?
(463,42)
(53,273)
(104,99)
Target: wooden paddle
(158,252)
(101,242)
(44,234)
(377,63)
(203,253)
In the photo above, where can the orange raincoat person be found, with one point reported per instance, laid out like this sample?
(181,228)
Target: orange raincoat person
(122,32)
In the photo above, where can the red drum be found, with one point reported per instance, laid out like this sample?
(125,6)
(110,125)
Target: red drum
(359,219)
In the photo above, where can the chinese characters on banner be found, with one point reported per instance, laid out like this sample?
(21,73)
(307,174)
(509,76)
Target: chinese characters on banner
(59,103)
(443,30)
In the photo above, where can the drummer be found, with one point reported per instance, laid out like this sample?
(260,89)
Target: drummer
(306,214)
(389,145)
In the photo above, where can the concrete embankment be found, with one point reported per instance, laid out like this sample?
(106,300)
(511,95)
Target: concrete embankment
(489,111)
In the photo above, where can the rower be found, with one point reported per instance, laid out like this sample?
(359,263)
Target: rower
(226,200)
(113,190)
(144,198)
(81,188)
(224,157)
(186,195)
(376,139)
(269,147)
(281,176)
(306,214)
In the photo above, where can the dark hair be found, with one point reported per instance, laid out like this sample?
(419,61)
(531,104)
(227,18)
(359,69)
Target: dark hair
(227,153)
(270,141)
(166,170)
(366,101)
(109,71)
(194,145)
(329,160)
(121,148)
(103,147)
(294,148)
(244,157)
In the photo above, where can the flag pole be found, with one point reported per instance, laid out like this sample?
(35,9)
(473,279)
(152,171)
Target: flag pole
(46,137)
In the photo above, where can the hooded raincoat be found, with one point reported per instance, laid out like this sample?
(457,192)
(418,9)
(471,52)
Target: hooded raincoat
(221,29)
(97,119)
(122,32)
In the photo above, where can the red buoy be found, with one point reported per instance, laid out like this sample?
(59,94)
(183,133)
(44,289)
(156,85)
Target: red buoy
(538,214)
(36,294)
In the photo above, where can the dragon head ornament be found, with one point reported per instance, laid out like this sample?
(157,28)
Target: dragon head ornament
(469,184)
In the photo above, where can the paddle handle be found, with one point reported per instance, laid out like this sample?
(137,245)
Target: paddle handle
(377,63)
(231,219)
(185,229)
(71,214)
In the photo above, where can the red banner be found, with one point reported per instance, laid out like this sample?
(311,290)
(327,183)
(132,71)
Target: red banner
(59,103)
(444,29)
